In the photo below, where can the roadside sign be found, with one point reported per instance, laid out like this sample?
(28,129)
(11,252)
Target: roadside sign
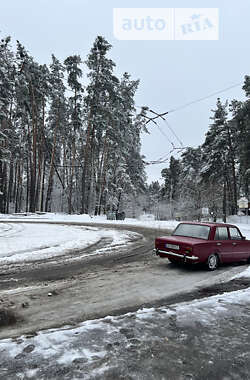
(243,202)
(204,211)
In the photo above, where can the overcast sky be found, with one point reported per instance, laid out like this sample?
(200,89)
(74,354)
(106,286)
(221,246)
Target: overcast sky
(172,73)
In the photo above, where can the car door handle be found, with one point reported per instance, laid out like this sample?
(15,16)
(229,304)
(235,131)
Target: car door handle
(234,243)
(218,244)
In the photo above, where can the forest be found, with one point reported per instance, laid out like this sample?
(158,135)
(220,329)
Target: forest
(73,145)
(214,175)
(66,146)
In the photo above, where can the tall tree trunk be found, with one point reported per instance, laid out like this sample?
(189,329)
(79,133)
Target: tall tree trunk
(20,184)
(19,189)
(42,160)
(5,186)
(84,208)
(15,184)
(1,187)
(64,175)
(10,184)
(99,177)
(41,192)
(33,155)
(51,172)
(224,205)
(71,179)
(232,161)
(103,199)
(27,185)
(102,177)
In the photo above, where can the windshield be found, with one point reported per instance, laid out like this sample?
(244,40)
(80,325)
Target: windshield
(192,230)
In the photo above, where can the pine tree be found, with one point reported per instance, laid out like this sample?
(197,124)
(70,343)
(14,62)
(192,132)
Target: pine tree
(241,121)
(219,153)
(101,95)
(47,139)
(191,190)
(74,71)
(171,176)
(7,78)
(57,122)
(31,96)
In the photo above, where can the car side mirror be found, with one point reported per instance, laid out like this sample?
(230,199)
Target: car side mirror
(243,237)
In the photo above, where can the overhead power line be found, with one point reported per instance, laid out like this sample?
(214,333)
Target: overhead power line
(165,135)
(162,116)
(204,98)
(168,125)
(190,103)
(173,132)
(165,157)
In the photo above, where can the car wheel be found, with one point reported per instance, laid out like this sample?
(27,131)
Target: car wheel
(212,262)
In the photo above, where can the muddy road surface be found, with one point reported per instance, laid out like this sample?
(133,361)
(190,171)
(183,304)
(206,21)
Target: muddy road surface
(84,284)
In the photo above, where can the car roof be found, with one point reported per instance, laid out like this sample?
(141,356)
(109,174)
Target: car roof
(210,224)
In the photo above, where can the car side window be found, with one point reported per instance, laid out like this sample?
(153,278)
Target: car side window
(221,233)
(234,234)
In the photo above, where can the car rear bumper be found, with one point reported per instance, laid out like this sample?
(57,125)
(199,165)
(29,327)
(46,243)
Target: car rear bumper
(177,255)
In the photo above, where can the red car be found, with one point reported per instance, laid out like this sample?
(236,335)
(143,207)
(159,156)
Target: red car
(209,243)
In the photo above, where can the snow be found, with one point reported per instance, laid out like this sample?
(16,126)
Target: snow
(144,221)
(31,242)
(89,341)
(40,237)
(245,273)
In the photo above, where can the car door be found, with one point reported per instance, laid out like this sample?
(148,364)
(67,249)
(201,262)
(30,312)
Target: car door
(223,244)
(240,248)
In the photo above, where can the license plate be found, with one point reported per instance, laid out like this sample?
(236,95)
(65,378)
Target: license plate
(172,246)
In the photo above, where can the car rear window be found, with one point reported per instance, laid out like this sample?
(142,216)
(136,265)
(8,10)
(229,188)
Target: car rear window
(192,230)
(234,234)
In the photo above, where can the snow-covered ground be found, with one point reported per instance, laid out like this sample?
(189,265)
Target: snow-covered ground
(27,242)
(95,349)
(144,221)
(102,348)
(22,242)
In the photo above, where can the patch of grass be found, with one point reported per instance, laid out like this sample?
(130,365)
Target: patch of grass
(7,317)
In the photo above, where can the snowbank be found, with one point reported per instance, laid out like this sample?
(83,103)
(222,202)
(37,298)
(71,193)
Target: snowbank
(31,242)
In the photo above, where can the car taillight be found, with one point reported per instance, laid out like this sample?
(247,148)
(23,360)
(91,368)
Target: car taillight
(188,250)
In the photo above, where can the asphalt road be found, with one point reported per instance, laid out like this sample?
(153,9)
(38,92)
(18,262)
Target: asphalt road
(195,342)
(162,345)
(78,287)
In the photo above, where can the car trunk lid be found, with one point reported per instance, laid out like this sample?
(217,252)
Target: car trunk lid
(177,244)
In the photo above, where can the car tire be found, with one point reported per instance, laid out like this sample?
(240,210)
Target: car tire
(212,262)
